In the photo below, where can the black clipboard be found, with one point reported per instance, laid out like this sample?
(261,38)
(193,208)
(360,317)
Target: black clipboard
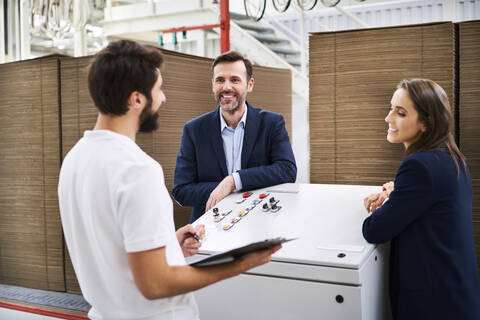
(230,255)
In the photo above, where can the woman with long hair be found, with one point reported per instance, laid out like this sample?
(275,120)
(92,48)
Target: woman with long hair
(428,216)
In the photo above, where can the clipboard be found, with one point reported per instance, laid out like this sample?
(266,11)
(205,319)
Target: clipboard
(230,255)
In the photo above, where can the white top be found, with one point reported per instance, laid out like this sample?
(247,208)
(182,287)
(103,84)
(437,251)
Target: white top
(113,200)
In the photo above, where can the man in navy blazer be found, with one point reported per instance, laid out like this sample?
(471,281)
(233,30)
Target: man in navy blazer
(234,147)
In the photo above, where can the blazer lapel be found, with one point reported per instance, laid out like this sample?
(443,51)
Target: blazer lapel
(215,137)
(251,132)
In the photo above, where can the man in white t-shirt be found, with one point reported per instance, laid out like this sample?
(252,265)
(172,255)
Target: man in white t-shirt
(116,212)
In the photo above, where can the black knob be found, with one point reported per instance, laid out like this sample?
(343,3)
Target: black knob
(341,255)
(272,199)
(265,206)
(339,298)
(274,206)
(215,210)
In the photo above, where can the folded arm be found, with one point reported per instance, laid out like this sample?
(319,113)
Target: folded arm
(411,198)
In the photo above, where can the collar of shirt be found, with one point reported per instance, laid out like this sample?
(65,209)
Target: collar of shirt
(223,123)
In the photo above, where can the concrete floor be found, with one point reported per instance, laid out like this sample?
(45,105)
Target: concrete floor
(8,314)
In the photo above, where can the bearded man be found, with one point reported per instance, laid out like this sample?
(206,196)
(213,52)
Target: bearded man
(235,147)
(117,215)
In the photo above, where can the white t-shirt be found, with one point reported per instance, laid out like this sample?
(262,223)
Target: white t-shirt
(113,200)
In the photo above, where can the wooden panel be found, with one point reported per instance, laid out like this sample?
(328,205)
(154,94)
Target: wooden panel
(322,108)
(31,248)
(353,75)
(469,74)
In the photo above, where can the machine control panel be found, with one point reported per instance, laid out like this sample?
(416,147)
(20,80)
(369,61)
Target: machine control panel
(327,219)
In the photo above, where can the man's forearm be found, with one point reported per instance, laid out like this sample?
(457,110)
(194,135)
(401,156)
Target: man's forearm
(268,175)
(156,279)
(186,279)
(194,194)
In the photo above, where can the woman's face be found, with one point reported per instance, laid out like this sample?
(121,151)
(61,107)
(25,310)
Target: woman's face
(403,124)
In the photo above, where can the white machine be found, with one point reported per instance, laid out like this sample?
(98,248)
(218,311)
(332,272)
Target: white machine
(329,272)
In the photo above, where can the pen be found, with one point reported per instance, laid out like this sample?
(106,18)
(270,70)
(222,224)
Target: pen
(194,236)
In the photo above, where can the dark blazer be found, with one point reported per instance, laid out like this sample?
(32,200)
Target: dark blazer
(433,268)
(267,157)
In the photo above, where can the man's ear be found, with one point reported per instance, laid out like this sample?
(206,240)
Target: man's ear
(250,84)
(136,100)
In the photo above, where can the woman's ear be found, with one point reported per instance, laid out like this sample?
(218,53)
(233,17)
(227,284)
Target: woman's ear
(425,125)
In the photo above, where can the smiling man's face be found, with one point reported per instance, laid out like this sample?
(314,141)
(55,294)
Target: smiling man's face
(230,85)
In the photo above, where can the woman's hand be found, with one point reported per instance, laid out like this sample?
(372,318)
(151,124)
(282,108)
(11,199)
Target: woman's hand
(374,201)
(388,187)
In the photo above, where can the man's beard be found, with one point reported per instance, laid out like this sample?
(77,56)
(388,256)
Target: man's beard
(235,107)
(148,121)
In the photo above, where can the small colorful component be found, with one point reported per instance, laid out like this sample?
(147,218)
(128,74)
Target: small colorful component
(263,195)
(241,213)
(227,226)
(255,202)
(247,194)
(234,220)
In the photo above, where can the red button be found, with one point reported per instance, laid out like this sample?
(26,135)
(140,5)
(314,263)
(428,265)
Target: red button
(262,195)
(247,194)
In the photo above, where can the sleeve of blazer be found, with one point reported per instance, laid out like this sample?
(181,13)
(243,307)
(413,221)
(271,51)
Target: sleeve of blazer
(282,168)
(187,191)
(411,198)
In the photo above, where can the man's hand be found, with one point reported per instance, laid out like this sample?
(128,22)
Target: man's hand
(256,258)
(186,240)
(221,191)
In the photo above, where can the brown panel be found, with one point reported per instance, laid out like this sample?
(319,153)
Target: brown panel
(438,62)
(187,86)
(73,111)
(469,74)
(272,91)
(31,249)
(362,69)
(322,108)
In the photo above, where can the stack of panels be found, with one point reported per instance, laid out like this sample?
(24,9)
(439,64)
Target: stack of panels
(469,74)
(353,75)
(78,115)
(187,86)
(31,248)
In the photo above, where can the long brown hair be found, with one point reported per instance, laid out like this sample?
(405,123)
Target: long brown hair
(431,103)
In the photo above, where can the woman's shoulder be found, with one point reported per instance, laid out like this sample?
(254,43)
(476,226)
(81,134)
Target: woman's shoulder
(428,157)
(435,162)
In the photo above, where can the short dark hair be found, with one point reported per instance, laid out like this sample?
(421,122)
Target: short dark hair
(121,68)
(233,56)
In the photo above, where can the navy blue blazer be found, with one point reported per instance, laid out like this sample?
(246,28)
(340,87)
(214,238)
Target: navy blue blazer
(433,268)
(267,157)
